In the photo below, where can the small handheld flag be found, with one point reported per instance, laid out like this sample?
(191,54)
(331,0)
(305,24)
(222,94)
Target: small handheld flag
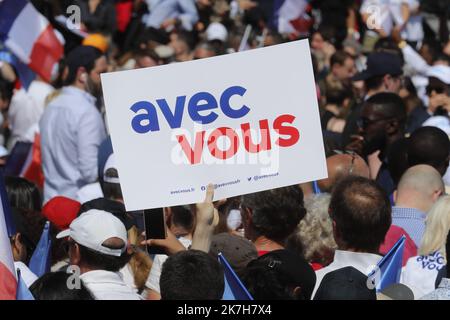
(234,289)
(23,293)
(40,260)
(389,268)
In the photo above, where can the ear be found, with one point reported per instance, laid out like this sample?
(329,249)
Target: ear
(436,195)
(297,293)
(82,75)
(386,81)
(74,254)
(395,196)
(18,248)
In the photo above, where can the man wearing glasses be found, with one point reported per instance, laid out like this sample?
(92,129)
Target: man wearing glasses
(381,125)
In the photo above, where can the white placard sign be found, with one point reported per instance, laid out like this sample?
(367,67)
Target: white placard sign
(245,122)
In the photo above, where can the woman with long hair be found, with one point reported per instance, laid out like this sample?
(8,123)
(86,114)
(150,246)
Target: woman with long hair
(421,272)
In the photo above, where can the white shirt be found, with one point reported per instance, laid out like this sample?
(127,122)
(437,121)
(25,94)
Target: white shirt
(420,273)
(89,192)
(413,30)
(363,262)
(25,273)
(71,131)
(158,261)
(106,285)
(24,112)
(384,13)
(127,276)
(39,90)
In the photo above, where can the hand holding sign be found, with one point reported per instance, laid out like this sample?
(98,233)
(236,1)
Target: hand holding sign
(207,218)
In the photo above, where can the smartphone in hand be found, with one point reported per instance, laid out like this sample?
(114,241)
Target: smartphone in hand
(155,228)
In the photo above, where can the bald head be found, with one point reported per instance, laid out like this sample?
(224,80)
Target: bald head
(419,187)
(340,166)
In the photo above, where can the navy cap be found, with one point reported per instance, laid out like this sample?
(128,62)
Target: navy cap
(380,64)
(82,56)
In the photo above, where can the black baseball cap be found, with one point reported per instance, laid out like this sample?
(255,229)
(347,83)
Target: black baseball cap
(345,284)
(380,64)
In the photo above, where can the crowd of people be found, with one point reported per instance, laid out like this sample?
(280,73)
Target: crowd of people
(382,72)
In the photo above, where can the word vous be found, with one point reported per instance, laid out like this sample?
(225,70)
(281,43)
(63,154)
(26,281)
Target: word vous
(201,108)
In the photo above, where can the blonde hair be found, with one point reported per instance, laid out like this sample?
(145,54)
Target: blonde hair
(140,262)
(316,231)
(436,229)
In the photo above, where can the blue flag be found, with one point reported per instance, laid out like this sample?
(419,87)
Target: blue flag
(316,188)
(23,293)
(234,289)
(40,260)
(390,266)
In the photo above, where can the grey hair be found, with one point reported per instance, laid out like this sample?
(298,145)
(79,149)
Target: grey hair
(316,230)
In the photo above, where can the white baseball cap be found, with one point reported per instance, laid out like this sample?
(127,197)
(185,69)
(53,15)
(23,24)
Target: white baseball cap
(110,164)
(216,31)
(441,72)
(94,227)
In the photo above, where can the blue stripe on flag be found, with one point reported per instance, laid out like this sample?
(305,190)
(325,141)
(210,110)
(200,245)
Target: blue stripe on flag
(23,293)
(389,268)
(41,259)
(9,10)
(6,208)
(235,287)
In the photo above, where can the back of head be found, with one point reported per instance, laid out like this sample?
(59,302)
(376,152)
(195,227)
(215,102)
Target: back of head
(429,145)
(116,208)
(419,183)
(276,212)
(191,275)
(436,228)
(316,231)
(55,286)
(23,194)
(279,275)
(340,166)
(30,225)
(98,241)
(360,207)
(182,218)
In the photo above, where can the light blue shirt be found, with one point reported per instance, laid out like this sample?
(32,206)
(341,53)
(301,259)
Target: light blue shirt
(161,10)
(71,131)
(411,220)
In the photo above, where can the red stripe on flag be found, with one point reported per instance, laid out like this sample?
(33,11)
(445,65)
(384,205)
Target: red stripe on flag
(34,171)
(8,284)
(47,51)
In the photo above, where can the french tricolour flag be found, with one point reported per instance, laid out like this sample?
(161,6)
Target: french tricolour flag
(30,36)
(8,281)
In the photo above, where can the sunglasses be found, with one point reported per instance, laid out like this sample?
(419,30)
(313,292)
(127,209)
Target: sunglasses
(366,122)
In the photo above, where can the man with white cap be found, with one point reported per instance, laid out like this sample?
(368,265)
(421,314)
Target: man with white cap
(98,246)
